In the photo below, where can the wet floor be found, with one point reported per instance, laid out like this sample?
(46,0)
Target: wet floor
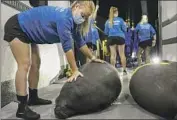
(123,108)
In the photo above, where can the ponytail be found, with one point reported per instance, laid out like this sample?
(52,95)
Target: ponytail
(111,15)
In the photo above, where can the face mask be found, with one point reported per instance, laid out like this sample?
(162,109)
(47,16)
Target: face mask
(78,19)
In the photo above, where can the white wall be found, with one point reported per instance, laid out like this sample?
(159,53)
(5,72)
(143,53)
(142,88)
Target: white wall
(59,3)
(8,65)
(169,9)
(52,56)
(169,52)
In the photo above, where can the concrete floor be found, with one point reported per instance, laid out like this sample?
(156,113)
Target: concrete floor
(124,108)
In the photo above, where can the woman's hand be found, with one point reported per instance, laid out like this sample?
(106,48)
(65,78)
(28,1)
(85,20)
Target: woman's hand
(94,59)
(74,76)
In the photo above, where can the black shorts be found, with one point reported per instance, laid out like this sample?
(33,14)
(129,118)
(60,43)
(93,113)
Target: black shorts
(13,30)
(115,40)
(146,43)
(92,46)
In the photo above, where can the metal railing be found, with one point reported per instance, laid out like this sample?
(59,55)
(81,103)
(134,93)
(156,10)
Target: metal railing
(16,4)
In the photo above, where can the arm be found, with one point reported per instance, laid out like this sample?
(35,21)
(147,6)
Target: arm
(83,47)
(106,29)
(81,44)
(64,32)
(85,50)
(71,60)
(153,32)
(95,13)
(123,26)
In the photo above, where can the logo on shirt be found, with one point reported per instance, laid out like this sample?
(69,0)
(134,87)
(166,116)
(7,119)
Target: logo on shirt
(116,22)
(60,9)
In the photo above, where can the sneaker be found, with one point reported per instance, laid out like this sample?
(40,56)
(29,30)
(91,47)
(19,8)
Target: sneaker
(39,101)
(26,113)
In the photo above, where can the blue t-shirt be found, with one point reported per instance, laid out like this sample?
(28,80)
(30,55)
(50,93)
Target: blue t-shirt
(49,24)
(145,32)
(118,28)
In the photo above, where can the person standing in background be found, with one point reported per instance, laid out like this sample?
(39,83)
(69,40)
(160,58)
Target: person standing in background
(128,39)
(89,38)
(95,40)
(147,39)
(115,29)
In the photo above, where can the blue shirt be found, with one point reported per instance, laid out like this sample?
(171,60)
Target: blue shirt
(95,35)
(118,28)
(145,32)
(49,24)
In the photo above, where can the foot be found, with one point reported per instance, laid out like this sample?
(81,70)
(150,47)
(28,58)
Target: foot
(39,101)
(26,113)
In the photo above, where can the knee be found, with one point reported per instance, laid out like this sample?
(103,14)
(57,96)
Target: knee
(35,65)
(122,57)
(113,58)
(24,65)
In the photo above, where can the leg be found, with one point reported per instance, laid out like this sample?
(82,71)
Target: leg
(121,49)
(147,54)
(21,52)
(140,50)
(34,78)
(113,54)
(35,66)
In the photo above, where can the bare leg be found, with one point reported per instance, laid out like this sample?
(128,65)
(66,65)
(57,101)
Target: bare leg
(21,52)
(35,66)
(34,78)
(121,49)
(113,54)
(147,54)
(140,50)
